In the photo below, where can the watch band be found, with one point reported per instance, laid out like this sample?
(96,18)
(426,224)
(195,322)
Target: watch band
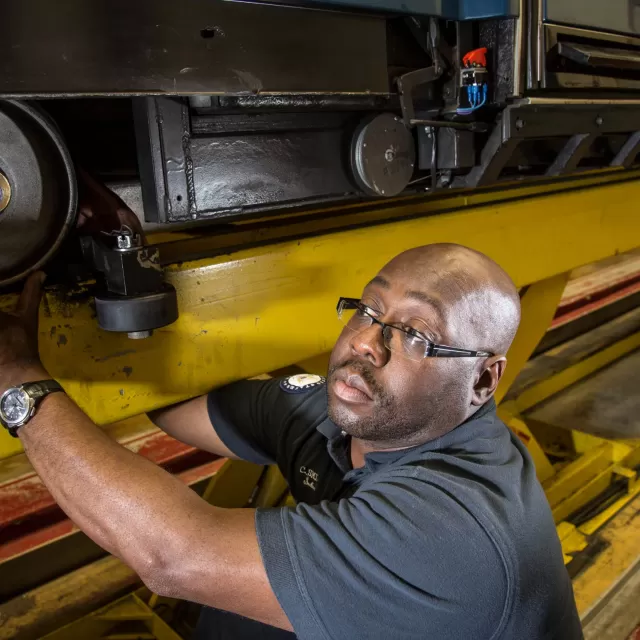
(41,388)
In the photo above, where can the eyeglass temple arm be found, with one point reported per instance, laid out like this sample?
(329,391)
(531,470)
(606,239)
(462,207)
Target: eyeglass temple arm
(442,351)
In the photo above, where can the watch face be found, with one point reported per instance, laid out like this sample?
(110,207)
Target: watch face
(15,406)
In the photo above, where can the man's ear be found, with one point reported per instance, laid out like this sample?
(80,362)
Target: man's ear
(487,379)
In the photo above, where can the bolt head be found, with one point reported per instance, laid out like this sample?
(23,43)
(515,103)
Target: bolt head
(124,242)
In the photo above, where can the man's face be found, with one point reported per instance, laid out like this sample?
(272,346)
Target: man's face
(380,395)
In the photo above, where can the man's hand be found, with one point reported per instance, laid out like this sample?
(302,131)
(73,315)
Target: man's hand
(19,359)
(101,210)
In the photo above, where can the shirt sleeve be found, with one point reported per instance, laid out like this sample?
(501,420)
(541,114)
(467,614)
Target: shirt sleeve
(253,418)
(400,559)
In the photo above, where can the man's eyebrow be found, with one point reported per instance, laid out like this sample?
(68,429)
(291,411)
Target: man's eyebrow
(421,296)
(381,282)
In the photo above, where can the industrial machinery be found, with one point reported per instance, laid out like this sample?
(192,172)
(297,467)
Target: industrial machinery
(264,158)
(227,111)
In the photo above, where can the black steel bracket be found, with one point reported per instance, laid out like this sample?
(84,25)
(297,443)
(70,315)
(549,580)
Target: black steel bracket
(583,123)
(409,81)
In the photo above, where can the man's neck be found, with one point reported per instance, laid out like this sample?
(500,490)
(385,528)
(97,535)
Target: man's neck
(360,447)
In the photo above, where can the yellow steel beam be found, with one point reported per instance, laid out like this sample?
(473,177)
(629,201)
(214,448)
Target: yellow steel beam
(539,304)
(108,623)
(544,468)
(574,477)
(65,599)
(568,376)
(262,308)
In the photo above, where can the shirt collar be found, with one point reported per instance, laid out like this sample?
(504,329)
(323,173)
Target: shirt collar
(464,433)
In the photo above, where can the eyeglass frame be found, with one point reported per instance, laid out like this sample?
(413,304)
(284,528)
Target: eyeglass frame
(432,349)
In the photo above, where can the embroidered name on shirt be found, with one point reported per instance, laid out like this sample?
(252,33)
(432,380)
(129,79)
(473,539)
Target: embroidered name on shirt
(310,477)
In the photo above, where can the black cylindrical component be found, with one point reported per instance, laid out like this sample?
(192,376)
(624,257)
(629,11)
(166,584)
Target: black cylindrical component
(144,312)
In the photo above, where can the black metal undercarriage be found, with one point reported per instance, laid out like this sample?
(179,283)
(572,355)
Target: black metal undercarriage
(212,111)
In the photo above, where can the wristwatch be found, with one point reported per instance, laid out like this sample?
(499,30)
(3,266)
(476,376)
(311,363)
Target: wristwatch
(18,404)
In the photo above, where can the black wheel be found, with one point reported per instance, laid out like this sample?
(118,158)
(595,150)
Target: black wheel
(38,191)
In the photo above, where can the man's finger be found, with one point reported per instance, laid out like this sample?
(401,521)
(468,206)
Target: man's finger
(30,297)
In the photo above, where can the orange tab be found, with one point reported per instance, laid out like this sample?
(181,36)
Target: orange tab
(476,58)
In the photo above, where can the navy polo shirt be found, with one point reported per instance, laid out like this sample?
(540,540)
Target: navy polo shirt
(450,539)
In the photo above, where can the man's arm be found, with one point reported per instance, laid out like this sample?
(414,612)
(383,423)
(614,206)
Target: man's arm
(189,422)
(178,544)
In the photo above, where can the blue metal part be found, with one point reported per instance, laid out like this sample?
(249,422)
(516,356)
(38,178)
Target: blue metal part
(449,9)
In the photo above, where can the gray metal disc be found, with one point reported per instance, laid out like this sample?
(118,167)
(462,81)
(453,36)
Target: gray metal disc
(41,208)
(383,155)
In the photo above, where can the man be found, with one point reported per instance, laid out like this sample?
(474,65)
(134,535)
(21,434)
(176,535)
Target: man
(419,514)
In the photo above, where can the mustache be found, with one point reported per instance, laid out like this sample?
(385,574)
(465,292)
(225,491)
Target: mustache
(363,370)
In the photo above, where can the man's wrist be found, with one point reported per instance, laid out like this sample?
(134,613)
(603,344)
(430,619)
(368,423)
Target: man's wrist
(17,374)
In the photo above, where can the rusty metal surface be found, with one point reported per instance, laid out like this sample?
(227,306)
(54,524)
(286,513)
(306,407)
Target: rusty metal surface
(165,47)
(52,605)
(622,534)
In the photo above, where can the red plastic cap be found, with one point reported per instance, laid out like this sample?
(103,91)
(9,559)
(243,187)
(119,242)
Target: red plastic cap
(476,58)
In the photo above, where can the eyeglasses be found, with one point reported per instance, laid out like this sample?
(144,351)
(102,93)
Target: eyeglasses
(404,340)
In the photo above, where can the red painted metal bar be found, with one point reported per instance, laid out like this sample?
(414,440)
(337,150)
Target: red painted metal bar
(598,288)
(29,516)
(27,495)
(589,304)
(45,535)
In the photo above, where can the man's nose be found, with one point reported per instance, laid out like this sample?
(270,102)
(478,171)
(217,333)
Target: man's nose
(369,344)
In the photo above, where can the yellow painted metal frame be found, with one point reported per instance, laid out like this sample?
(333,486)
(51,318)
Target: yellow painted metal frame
(596,465)
(263,308)
(621,535)
(107,623)
(267,307)
(538,304)
(568,376)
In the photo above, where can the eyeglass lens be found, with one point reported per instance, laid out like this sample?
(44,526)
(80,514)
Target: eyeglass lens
(395,339)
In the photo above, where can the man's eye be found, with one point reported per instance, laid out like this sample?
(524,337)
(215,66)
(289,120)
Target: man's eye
(369,311)
(414,333)
(411,341)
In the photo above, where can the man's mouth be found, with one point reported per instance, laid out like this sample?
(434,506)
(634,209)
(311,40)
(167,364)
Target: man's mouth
(351,388)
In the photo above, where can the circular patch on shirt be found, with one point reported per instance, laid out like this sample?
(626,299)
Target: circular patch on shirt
(301,382)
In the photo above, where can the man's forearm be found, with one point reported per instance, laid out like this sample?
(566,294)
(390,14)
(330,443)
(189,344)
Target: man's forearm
(121,500)
(189,422)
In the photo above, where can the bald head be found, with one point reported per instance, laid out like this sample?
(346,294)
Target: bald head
(469,289)
(385,386)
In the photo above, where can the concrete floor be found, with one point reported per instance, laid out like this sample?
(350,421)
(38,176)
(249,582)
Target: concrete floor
(606,404)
